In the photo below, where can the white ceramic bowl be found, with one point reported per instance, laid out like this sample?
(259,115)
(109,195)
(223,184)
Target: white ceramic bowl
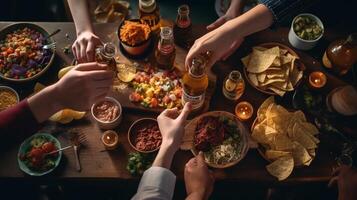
(300,43)
(111,124)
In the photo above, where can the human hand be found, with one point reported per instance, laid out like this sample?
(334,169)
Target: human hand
(234,10)
(84,46)
(171,123)
(83,85)
(346,179)
(222,42)
(199,180)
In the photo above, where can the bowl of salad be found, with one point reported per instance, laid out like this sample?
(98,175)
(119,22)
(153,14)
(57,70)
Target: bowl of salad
(34,158)
(22,57)
(221,137)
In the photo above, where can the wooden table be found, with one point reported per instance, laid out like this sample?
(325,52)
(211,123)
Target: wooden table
(99,165)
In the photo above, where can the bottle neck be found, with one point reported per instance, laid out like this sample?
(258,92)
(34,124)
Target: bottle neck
(107,51)
(197,69)
(183,20)
(166,43)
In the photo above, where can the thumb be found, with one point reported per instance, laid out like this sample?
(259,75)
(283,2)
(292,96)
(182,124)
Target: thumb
(185,112)
(217,23)
(91,66)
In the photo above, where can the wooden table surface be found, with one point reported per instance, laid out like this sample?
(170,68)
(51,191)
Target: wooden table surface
(99,165)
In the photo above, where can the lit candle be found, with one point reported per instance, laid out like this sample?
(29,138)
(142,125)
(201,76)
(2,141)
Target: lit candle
(244,110)
(317,79)
(110,139)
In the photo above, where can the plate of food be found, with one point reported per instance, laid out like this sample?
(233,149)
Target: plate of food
(32,156)
(221,137)
(285,139)
(22,57)
(273,68)
(156,89)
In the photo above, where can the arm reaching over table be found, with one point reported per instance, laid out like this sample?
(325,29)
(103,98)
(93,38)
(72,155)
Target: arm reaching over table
(226,36)
(86,42)
(158,182)
(346,180)
(78,90)
(199,180)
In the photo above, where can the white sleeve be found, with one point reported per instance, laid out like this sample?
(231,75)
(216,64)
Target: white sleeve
(156,183)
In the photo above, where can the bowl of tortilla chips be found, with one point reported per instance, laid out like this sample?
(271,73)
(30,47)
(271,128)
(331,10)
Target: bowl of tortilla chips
(273,68)
(285,139)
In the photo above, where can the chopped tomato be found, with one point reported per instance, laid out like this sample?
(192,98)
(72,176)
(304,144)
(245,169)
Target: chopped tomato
(135,97)
(154,103)
(166,99)
(178,93)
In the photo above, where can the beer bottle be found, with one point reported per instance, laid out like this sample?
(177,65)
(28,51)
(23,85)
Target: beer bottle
(165,51)
(195,82)
(182,27)
(105,54)
(341,54)
(149,13)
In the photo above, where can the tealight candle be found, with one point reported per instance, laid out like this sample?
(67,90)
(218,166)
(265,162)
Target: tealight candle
(317,79)
(110,139)
(244,110)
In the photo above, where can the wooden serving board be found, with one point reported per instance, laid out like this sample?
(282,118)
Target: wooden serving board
(123,91)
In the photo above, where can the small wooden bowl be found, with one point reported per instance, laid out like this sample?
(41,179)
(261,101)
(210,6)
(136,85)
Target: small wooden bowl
(133,130)
(299,64)
(137,49)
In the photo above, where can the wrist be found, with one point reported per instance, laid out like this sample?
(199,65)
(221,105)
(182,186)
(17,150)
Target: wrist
(196,195)
(54,93)
(168,147)
(85,30)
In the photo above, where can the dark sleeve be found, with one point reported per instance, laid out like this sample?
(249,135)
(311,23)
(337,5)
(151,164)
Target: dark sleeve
(286,9)
(17,123)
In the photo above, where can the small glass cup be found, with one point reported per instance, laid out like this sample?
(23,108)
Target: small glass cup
(233,85)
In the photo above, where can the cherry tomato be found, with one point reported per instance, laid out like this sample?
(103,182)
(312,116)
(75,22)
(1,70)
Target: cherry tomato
(48,147)
(36,153)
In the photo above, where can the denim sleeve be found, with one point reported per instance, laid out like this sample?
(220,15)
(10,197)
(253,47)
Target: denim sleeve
(286,9)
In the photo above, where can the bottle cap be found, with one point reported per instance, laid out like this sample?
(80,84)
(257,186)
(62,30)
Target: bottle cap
(147,6)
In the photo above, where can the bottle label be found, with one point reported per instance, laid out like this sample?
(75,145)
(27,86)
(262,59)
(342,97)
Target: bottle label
(183,23)
(196,101)
(165,49)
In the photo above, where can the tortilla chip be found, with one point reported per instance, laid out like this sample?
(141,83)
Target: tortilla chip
(300,136)
(281,168)
(281,142)
(310,128)
(277,90)
(253,78)
(274,51)
(261,77)
(260,61)
(300,154)
(245,60)
(270,81)
(263,108)
(273,154)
